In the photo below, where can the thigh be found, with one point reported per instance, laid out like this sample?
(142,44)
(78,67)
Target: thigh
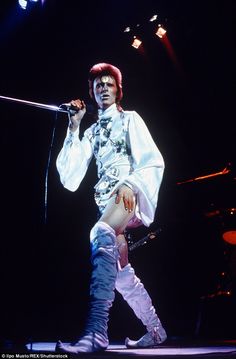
(116,216)
(123,250)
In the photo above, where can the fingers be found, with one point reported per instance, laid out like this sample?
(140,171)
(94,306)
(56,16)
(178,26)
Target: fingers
(127,199)
(76,118)
(118,197)
(128,202)
(127,195)
(78,104)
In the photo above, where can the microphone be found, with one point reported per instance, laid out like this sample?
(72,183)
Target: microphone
(72,110)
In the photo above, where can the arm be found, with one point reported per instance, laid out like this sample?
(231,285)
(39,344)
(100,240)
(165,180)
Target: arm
(148,168)
(75,155)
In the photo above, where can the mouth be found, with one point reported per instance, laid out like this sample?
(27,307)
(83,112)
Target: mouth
(104,97)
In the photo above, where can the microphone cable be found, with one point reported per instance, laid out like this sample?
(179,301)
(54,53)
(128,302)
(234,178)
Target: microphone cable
(47,169)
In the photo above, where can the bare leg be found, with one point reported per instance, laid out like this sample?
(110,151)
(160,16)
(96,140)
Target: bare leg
(116,216)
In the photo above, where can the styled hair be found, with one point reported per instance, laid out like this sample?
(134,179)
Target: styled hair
(104,69)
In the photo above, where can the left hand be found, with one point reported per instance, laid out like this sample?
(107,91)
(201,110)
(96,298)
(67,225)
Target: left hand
(127,195)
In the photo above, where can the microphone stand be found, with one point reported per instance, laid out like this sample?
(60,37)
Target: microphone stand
(45,107)
(35,104)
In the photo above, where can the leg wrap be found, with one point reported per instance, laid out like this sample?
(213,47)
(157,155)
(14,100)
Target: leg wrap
(133,291)
(104,271)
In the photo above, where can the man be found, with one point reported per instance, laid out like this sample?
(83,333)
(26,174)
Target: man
(126,156)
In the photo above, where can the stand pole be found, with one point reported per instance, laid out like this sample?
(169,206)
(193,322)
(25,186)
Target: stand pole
(34,104)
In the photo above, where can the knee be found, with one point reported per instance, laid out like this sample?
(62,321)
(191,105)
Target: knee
(126,278)
(126,274)
(103,241)
(103,231)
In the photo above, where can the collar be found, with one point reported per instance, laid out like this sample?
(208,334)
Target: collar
(109,112)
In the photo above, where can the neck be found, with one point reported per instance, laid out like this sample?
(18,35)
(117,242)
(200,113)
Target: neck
(103,108)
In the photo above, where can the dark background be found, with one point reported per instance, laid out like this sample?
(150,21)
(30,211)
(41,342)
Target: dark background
(187,103)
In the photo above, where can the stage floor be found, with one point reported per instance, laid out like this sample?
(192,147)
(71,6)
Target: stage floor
(172,349)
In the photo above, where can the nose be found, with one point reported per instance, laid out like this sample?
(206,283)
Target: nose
(104,87)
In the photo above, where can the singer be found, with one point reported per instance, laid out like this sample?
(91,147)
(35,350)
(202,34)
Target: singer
(130,170)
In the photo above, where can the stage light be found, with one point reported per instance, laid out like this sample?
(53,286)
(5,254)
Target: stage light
(23,4)
(127,29)
(160,31)
(153,18)
(136,42)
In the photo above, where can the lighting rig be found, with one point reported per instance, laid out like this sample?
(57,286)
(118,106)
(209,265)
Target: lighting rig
(136,32)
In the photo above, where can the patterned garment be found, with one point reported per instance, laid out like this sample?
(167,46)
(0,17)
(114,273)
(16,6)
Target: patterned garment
(125,153)
(110,144)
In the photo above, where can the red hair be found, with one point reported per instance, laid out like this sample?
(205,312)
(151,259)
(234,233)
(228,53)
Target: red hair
(104,69)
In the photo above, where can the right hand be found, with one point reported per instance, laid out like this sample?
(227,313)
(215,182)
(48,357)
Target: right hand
(76,119)
(127,195)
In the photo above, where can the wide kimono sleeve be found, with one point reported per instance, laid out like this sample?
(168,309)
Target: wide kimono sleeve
(74,158)
(148,168)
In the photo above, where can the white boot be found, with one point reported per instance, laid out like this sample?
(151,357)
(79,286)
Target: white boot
(133,291)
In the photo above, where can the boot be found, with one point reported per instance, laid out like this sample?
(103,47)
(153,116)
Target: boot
(104,271)
(133,291)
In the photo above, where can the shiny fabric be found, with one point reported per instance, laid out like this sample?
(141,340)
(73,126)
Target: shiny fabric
(125,154)
(92,342)
(102,286)
(133,291)
(104,271)
(149,340)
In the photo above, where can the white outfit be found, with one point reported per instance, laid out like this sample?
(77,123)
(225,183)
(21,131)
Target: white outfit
(125,154)
(133,291)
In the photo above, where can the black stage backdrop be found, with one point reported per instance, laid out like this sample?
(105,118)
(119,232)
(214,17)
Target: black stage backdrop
(186,100)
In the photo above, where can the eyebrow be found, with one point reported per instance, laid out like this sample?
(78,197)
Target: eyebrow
(108,82)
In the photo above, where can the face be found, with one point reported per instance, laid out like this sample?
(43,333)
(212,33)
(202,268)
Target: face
(105,91)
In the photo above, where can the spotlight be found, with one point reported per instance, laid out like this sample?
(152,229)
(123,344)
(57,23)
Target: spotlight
(153,18)
(160,31)
(127,29)
(23,4)
(136,42)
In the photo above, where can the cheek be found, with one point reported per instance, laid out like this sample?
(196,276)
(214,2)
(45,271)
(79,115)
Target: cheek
(96,94)
(114,93)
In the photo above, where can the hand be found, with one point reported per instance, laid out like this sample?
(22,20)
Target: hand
(76,119)
(125,193)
